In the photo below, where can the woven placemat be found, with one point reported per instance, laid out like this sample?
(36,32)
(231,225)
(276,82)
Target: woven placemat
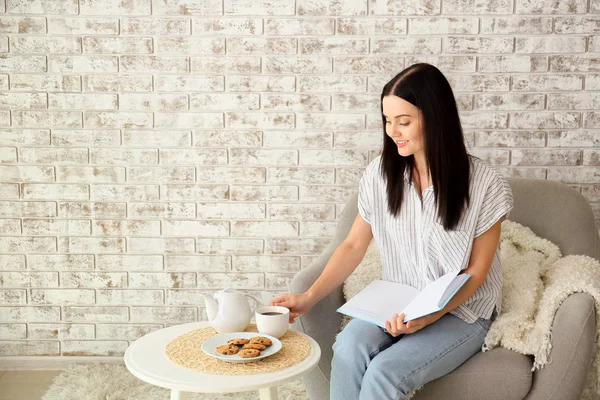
(185,350)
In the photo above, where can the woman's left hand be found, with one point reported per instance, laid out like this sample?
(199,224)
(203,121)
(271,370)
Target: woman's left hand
(396,325)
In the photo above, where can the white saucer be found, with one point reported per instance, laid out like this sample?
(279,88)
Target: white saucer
(210,346)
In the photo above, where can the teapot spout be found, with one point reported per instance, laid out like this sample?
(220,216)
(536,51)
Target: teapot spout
(212,306)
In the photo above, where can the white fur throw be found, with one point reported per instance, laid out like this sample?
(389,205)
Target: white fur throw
(536,280)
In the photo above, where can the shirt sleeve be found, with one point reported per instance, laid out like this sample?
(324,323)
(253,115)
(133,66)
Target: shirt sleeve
(496,205)
(365,195)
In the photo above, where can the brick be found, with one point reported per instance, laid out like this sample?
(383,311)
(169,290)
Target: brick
(82,64)
(406,46)
(533,45)
(94,348)
(318,229)
(3,81)
(295,246)
(114,7)
(514,24)
(13,331)
(227,26)
(301,175)
(10,226)
(12,261)
(44,119)
(89,244)
(124,331)
(301,212)
(116,83)
(41,7)
(126,228)
(196,228)
(90,174)
(189,83)
(297,139)
(591,120)
(24,137)
(332,84)
(261,193)
(443,26)
(397,7)
(479,45)
(190,46)
(124,192)
(263,45)
(12,296)
(5,118)
(95,314)
(12,63)
(117,45)
(333,46)
(187,7)
(580,63)
(591,157)
(510,138)
(157,138)
(293,26)
(114,119)
(594,44)
(230,211)
(29,314)
(225,138)
(229,246)
(162,245)
(235,280)
(89,209)
(154,64)
(160,174)
(546,157)
(82,26)
(56,227)
(296,65)
(58,45)
(358,139)
(231,174)
(28,208)
(330,121)
(162,210)
(157,25)
(368,65)
(279,281)
(446,64)
(587,25)
(575,101)
(193,156)
(153,102)
(371,26)
(478,7)
(85,138)
(224,101)
(87,101)
(25,25)
(93,280)
(29,348)
(9,190)
(333,157)
(198,263)
(554,7)
(264,157)
(591,192)
(61,297)
(545,82)
(185,297)
(119,297)
(221,65)
(258,7)
(14,173)
(194,192)
(123,157)
(573,139)
(126,262)
(516,63)
(268,120)
(60,331)
(350,102)
(576,175)
(516,101)
(545,120)
(24,244)
(260,83)
(188,120)
(8,155)
(164,314)
(264,229)
(49,262)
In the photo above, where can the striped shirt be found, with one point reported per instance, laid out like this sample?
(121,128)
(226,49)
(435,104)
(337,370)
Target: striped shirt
(414,247)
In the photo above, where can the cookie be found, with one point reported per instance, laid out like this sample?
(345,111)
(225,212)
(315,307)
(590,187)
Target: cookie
(228,349)
(260,340)
(255,346)
(238,342)
(249,353)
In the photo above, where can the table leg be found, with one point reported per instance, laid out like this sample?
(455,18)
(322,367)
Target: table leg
(269,393)
(178,395)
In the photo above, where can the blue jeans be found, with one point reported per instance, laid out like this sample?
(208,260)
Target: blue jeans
(370,364)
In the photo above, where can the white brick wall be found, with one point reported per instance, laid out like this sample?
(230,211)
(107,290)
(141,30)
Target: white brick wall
(152,150)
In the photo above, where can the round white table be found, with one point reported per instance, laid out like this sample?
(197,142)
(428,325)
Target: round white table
(145,359)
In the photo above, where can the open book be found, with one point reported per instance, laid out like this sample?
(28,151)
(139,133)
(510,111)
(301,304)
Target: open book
(380,300)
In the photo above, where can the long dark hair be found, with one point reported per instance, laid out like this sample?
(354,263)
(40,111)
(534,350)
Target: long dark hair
(425,87)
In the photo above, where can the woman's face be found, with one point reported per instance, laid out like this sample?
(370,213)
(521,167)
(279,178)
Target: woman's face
(403,125)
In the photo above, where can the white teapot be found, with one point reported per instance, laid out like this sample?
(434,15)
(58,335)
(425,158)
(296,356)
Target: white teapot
(228,311)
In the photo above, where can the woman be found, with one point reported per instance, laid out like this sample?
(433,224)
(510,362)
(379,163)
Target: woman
(431,208)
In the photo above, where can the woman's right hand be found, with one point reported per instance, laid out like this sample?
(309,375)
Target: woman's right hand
(296,303)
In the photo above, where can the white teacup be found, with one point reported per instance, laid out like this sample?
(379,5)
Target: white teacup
(272,320)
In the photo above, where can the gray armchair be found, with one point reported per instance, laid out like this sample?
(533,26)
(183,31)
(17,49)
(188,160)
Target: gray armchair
(552,210)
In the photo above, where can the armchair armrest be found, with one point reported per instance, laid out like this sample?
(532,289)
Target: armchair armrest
(573,336)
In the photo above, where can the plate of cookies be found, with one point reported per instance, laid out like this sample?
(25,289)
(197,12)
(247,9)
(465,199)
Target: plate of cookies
(241,347)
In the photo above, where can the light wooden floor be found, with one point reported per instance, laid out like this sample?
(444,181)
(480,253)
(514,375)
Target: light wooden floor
(25,385)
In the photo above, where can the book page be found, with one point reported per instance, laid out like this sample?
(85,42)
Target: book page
(427,300)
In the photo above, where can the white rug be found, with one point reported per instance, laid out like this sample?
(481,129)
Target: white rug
(114,382)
